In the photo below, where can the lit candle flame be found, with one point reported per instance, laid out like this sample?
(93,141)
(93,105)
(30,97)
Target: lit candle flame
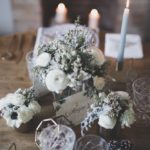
(94,13)
(128,3)
(61,8)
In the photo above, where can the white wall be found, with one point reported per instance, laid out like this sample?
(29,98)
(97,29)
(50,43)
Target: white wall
(6,20)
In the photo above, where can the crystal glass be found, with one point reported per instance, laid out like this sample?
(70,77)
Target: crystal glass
(91,142)
(141,94)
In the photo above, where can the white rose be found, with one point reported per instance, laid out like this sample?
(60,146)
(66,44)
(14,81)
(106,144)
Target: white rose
(43,59)
(99,82)
(106,121)
(25,114)
(123,95)
(98,55)
(56,80)
(34,106)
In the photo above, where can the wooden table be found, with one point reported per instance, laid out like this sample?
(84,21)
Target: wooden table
(13,75)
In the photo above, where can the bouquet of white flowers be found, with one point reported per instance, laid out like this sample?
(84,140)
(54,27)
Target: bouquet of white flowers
(66,66)
(69,61)
(19,107)
(109,109)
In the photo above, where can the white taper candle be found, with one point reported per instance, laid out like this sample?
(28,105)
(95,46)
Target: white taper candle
(123,36)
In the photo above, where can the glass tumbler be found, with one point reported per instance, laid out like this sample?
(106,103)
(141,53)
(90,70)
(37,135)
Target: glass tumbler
(91,142)
(141,94)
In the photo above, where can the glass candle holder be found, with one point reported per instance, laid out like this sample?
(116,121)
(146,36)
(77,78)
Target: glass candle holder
(91,142)
(55,136)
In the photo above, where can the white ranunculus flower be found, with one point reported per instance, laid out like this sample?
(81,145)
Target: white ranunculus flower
(56,80)
(25,114)
(98,55)
(34,106)
(123,95)
(106,121)
(43,59)
(99,82)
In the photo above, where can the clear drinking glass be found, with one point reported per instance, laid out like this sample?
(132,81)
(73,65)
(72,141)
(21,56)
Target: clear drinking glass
(91,142)
(141,94)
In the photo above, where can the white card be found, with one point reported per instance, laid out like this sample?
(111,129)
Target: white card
(75,107)
(133,48)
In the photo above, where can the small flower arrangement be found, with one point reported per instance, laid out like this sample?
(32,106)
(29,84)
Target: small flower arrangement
(69,61)
(109,109)
(19,107)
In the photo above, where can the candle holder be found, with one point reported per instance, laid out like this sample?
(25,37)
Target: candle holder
(54,136)
(119,66)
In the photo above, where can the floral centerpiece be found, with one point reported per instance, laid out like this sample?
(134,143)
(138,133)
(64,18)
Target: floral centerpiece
(70,61)
(110,109)
(66,66)
(19,107)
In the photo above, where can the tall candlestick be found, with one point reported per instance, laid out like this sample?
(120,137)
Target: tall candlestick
(61,14)
(94,18)
(124,27)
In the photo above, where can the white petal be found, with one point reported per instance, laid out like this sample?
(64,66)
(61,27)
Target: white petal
(35,107)
(98,55)
(43,60)
(99,82)
(123,95)
(107,122)
(25,114)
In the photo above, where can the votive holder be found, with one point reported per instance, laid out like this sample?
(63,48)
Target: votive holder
(54,136)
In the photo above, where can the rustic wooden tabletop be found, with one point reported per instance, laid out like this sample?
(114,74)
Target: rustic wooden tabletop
(14,75)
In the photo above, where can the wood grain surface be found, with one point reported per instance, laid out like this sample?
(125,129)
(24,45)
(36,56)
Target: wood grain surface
(14,75)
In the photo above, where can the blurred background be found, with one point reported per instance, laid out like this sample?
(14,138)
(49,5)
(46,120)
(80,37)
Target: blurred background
(28,15)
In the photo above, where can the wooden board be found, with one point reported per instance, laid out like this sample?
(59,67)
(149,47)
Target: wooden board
(13,75)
